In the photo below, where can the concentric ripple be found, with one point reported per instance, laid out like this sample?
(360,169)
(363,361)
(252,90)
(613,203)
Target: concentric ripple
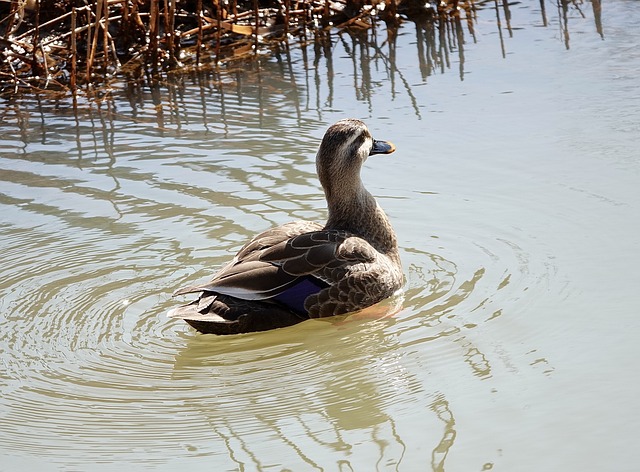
(90,355)
(95,372)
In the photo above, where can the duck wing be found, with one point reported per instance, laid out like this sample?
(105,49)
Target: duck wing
(313,252)
(290,261)
(247,276)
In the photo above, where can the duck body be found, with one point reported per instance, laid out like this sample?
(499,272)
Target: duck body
(302,269)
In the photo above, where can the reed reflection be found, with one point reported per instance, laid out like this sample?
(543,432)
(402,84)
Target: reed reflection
(296,77)
(299,80)
(565,8)
(441,407)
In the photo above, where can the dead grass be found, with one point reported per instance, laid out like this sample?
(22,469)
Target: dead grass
(73,46)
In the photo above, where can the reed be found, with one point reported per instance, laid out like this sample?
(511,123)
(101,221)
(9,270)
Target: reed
(69,45)
(73,52)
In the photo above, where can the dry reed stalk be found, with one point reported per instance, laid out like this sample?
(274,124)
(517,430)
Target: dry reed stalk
(94,39)
(89,36)
(287,14)
(15,13)
(165,18)
(305,8)
(74,51)
(299,17)
(114,52)
(199,42)
(154,23)
(391,11)
(218,29)
(134,13)
(43,25)
(36,41)
(256,15)
(59,19)
(45,66)
(125,13)
(78,30)
(105,36)
(170,18)
(15,77)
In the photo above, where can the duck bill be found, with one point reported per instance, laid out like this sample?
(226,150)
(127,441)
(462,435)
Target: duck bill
(382,147)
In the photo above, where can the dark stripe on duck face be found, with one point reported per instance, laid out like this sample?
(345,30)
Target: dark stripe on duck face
(294,296)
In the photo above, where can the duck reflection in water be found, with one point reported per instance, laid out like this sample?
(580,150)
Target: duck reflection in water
(303,270)
(332,400)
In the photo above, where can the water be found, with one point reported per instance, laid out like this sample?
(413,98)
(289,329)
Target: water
(514,193)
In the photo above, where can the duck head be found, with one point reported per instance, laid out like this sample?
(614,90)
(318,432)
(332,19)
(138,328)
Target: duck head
(344,148)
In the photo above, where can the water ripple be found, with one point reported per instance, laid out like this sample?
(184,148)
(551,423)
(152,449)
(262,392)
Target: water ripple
(89,338)
(106,210)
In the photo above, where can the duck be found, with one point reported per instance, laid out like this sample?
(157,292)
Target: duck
(304,270)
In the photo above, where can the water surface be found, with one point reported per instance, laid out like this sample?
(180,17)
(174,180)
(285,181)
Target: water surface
(514,193)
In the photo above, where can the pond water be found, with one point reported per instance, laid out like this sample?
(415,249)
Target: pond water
(515,193)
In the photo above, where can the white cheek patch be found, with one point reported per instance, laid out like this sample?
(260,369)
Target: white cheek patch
(347,143)
(365,149)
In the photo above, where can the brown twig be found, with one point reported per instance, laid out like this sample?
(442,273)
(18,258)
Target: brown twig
(105,35)
(74,51)
(94,42)
(199,42)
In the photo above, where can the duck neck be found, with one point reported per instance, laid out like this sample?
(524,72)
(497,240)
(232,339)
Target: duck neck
(355,210)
